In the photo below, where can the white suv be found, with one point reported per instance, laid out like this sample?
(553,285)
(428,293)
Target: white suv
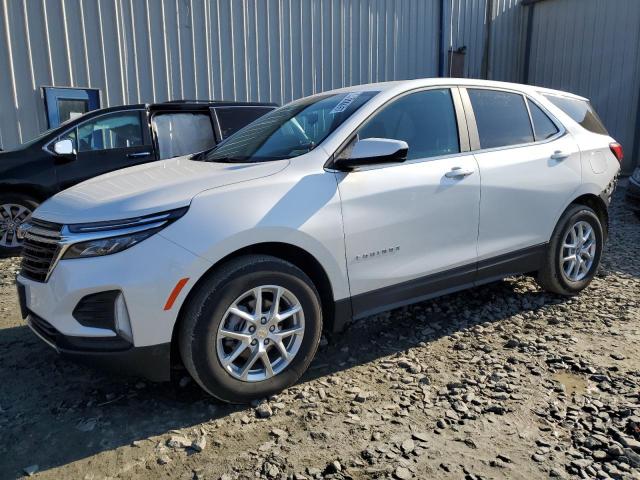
(333,207)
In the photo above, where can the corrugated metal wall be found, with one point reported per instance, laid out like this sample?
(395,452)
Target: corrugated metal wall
(156,50)
(465,25)
(592,48)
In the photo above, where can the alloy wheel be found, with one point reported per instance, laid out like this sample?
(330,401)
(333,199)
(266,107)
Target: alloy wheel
(12,215)
(578,251)
(260,333)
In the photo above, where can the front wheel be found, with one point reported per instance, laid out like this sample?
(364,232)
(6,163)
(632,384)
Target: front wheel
(251,329)
(14,210)
(573,254)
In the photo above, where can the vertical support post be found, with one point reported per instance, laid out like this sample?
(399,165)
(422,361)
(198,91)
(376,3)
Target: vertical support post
(527,43)
(441,33)
(486,40)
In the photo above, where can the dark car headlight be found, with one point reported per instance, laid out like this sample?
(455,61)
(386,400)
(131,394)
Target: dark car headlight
(106,238)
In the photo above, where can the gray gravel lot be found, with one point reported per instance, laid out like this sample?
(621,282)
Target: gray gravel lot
(503,381)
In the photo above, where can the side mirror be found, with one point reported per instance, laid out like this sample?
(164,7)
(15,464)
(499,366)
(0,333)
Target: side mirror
(63,147)
(372,151)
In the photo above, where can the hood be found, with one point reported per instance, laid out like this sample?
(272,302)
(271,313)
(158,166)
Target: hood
(146,189)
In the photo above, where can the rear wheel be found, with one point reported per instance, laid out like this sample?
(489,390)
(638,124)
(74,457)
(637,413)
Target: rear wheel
(14,210)
(573,255)
(251,329)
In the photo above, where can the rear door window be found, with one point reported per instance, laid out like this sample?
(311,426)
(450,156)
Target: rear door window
(543,126)
(501,117)
(232,119)
(580,111)
(183,133)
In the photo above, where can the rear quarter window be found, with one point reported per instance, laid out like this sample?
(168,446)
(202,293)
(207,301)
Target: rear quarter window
(581,111)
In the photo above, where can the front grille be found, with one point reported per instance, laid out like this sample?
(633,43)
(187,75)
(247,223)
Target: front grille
(40,249)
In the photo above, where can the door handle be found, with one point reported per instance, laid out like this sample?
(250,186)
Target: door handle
(458,172)
(559,155)
(138,154)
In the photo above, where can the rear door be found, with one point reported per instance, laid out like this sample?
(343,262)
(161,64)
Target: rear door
(529,168)
(411,229)
(104,143)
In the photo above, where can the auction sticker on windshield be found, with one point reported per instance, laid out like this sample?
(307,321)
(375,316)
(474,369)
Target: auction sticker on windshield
(345,102)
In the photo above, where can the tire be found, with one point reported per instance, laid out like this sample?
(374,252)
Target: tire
(553,276)
(207,320)
(11,216)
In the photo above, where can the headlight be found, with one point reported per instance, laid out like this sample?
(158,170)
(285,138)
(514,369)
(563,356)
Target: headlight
(106,238)
(106,246)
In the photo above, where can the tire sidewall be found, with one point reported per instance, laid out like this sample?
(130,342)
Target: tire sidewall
(18,200)
(211,374)
(589,216)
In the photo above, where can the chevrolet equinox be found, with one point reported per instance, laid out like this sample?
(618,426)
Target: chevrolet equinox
(333,207)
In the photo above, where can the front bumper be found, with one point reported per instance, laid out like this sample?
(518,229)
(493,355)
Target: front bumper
(145,275)
(632,196)
(108,353)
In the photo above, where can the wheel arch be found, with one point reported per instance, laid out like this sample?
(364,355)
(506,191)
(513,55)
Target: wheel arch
(32,191)
(333,314)
(598,205)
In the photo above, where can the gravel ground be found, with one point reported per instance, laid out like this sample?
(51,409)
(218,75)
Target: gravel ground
(503,381)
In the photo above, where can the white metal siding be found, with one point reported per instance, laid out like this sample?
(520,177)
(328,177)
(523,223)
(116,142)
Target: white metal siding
(592,48)
(156,50)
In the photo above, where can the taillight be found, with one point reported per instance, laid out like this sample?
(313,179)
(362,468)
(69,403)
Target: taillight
(616,149)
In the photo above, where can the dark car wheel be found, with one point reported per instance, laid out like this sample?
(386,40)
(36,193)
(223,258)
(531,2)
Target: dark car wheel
(14,210)
(574,252)
(251,329)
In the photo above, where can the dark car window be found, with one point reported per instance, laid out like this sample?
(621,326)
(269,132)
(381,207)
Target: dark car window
(425,120)
(543,126)
(232,119)
(113,130)
(183,133)
(581,111)
(501,117)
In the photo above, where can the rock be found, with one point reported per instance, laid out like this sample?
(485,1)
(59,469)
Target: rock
(599,455)
(633,457)
(408,446)
(279,433)
(536,457)
(504,458)
(617,356)
(200,444)
(31,470)
(178,441)
(264,411)
(333,467)
(421,436)
(615,450)
(163,459)
(402,473)
(314,472)
(362,397)
(512,343)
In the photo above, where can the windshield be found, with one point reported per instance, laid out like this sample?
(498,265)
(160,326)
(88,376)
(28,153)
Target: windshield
(289,131)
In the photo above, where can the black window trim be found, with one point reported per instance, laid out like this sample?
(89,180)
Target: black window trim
(47,146)
(216,120)
(474,137)
(461,123)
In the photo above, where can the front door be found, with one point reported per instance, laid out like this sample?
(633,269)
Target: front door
(108,142)
(411,229)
